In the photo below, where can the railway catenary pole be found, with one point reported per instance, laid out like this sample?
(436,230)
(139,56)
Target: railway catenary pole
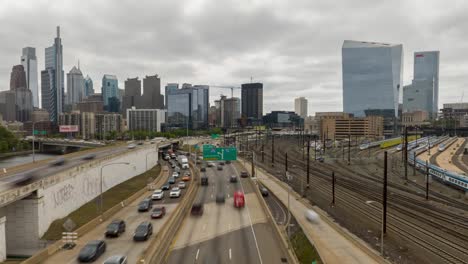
(308,161)
(414,163)
(263,153)
(333,188)
(286,161)
(272,150)
(315,147)
(384,198)
(349,149)
(342,147)
(253,164)
(406,153)
(427,180)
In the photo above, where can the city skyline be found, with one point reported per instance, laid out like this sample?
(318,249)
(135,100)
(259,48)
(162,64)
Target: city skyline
(304,69)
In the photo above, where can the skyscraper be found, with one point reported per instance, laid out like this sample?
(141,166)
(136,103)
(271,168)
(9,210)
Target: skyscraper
(75,86)
(252,101)
(23,97)
(300,107)
(29,62)
(152,97)
(188,106)
(17,77)
(52,79)
(132,94)
(110,85)
(426,67)
(372,77)
(89,89)
(170,87)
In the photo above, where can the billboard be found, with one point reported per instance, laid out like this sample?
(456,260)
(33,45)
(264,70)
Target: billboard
(67,129)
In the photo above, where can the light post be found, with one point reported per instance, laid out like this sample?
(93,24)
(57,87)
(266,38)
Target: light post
(289,178)
(100,195)
(34,155)
(382,228)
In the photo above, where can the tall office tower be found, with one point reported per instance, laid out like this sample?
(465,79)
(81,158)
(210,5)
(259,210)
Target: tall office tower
(188,106)
(132,95)
(29,62)
(372,77)
(89,89)
(300,107)
(152,97)
(52,79)
(229,111)
(170,87)
(252,102)
(75,86)
(23,96)
(17,78)
(109,88)
(426,67)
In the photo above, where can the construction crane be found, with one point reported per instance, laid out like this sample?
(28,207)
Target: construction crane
(226,87)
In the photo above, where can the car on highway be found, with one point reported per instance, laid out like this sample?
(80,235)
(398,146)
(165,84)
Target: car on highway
(220,198)
(165,187)
(202,169)
(244,174)
(116,259)
(239,199)
(158,212)
(173,156)
(263,190)
(143,231)
(92,251)
(145,205)
(131,146)
(89,156)
(181,185)
(175,192)
(197,209)
(220,167)
(210,164)
(233,178)
(140,143)
(204,180)
(157,194)
(171,180)
(312,216)
(177,169)
(221,163)
(167,157)
(173,165)
(186,178)
(228,162)
(24,179)
(58,162)
(115,228)
(320,159)
(175,174)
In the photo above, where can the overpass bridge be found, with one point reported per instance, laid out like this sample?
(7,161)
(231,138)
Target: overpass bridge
(52,192)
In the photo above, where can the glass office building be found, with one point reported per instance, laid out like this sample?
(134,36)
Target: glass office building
(372,77)
(426,70)
(188,107)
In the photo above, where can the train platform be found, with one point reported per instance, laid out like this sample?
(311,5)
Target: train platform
(333,243)
(444,160)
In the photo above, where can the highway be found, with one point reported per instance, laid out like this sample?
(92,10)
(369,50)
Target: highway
(223,233)
(123,245)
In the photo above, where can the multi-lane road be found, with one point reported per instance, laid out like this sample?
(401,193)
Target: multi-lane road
(225,234)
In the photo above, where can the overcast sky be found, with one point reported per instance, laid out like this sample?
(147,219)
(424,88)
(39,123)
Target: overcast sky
(293,47)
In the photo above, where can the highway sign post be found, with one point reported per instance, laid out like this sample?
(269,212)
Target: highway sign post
(211,152)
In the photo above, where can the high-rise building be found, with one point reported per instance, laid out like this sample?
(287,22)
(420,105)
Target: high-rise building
(372,77)
(170,87)
(229,111)
(300,107)
(152,97)
(132,95)
(145,119)
(8,105)
(23,96)
(29,62)
(89,89)
(52,79)
(75,86)
(17,77)
(188,106)
(423,93)
(252,101)
(110,86)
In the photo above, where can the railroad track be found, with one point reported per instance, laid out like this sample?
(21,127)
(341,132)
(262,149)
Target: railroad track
(408,227)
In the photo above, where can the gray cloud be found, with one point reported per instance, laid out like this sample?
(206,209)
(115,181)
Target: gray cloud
(293,47)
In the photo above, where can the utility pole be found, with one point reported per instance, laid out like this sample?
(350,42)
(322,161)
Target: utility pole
(308,160)
(315,147)
(286,161)
(406,153)
(253,164)
(263,153)
(333,188)
(414,163)
(384,198)
(349,149)
(427,180)
(272,150)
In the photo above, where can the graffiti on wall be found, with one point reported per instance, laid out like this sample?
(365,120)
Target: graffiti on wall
(63,194)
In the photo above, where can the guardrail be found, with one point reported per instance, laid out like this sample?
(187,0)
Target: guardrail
(52,249)
(159,247)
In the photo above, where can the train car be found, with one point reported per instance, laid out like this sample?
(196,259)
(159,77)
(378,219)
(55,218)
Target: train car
(441,147)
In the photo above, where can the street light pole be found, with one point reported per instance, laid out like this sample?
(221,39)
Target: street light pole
(33,153)
(100,195)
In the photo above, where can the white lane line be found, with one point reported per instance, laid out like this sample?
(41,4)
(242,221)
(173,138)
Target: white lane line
(204,227)
(250,219)
(230,254)
(198,252)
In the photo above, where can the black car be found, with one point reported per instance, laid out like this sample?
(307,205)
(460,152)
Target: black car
(244,174)
(220,198)
(91,251)
(165,187)
(197,209)
(233,178)
(58,162)
(221,163)
(228,162)
(263,190)
(204,180)
(220,167)
(171,180)
(89,156)
(115,228)
(202,169)
(143,231)
(145,205)
(320,159)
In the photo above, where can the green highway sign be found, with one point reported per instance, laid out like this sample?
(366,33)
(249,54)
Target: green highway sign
(211,152)
(214,136)
(40,132)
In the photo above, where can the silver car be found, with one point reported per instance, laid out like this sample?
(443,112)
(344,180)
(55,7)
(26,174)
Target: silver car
(117,259)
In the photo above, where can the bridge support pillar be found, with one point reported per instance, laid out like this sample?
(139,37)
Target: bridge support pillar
(2,239)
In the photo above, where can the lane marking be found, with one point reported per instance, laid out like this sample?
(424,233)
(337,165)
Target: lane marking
(198,252)
(230,255)
(204,227)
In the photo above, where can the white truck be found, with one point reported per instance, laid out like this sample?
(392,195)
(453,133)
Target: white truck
(183,161)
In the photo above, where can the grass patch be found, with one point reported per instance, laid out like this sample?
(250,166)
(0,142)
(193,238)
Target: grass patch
(113,196)
(305,252)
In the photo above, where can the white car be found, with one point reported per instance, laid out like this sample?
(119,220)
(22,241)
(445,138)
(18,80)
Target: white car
(181,185)
(175,192)
(175,174)
(157,194)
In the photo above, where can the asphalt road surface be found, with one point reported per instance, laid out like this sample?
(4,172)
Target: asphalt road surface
(225,234)
(123,245)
